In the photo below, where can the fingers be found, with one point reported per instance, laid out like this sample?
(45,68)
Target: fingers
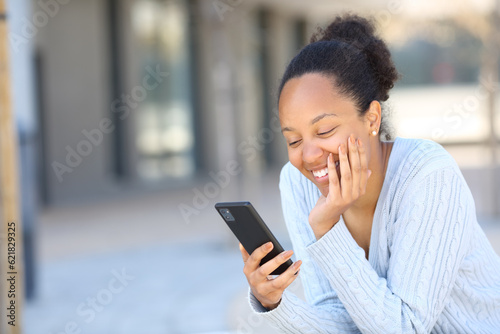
(365,173)
(258,277)
(353,169)
(244,253)
(253,262)
(354,159)
(333,185)
(268,292)
(282,281)
(345,173)
(268,267)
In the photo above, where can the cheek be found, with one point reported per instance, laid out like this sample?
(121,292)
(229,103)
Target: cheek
(332,144)
(295,157)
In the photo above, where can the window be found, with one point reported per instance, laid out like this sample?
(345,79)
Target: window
(164,136)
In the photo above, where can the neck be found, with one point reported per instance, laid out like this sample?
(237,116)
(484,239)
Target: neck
(379,159)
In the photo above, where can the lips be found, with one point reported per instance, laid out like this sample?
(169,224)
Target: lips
(322,174)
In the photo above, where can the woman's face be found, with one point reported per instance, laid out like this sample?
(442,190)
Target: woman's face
(315,119)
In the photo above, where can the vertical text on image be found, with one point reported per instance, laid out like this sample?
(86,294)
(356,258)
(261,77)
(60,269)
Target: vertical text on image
(11,273)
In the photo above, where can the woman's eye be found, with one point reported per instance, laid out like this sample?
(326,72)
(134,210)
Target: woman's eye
(294,143)
(326,132)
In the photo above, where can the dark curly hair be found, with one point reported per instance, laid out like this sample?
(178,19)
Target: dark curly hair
(358,62)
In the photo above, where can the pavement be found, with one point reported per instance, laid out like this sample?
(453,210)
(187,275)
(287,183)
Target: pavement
(139,265)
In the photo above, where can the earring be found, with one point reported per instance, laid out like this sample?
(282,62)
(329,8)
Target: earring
(374,132)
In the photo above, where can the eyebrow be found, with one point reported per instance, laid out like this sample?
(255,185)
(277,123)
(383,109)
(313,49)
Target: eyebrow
(315,120)
(320,117)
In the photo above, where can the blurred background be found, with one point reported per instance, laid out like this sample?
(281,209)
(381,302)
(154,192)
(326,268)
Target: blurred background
(135,116)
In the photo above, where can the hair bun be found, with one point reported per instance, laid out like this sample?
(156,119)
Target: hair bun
(359,32)
(348,28)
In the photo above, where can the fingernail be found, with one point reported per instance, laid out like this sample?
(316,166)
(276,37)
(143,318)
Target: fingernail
(369,172)
(360,144)
(296,264)
(340,148)
(269,245)
(351,139)
(286,254)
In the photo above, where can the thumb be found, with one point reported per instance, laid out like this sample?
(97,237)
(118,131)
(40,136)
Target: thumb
(244,253)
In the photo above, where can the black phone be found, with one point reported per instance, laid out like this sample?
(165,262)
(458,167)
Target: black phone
(250,229)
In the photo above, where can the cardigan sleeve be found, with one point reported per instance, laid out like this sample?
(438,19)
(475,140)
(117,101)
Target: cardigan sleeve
(323,312)
(429,241)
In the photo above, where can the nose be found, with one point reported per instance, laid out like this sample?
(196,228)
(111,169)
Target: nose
(311,153)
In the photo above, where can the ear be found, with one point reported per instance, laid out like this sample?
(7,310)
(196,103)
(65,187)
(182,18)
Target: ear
(373,117)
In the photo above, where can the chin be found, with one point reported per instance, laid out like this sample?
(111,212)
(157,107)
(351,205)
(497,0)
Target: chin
(324,190)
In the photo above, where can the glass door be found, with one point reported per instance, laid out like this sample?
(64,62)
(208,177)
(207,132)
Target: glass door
(163,134)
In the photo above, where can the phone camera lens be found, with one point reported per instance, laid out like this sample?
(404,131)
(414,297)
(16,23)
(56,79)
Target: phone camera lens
(227,215)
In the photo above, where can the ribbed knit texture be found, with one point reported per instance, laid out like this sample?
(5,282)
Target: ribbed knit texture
(430,267)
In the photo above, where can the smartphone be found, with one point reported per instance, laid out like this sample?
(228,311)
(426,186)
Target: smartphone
(250,229)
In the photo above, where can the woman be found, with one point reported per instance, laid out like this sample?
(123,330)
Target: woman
(386,232)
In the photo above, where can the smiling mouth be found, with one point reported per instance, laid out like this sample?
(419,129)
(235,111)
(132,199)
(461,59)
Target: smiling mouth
(323,173)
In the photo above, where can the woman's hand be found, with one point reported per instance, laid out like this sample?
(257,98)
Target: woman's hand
(268,291)
(341,194)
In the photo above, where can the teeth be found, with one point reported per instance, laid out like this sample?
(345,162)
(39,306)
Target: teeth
(320,173)
(324,171)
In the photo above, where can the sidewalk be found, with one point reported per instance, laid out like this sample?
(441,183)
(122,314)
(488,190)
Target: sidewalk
(137,266)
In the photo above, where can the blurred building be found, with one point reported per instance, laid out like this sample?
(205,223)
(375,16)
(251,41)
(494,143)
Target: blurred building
(154,94)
